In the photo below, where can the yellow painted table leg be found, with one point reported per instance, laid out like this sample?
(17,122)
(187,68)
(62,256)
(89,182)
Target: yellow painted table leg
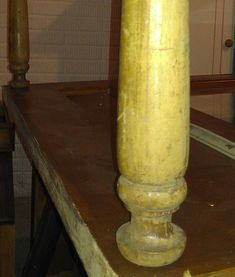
(18,42)
(153,128)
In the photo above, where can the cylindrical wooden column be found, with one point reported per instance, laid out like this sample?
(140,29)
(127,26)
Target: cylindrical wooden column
(18,42)
(153,128)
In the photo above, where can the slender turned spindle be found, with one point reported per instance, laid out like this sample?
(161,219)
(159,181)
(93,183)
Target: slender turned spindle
(18,42)
(153,128)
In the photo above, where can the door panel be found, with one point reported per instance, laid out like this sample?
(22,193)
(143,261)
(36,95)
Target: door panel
(211,23)
(228,33)
(202,32)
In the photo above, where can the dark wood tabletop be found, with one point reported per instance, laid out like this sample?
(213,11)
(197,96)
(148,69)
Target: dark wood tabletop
(68,131)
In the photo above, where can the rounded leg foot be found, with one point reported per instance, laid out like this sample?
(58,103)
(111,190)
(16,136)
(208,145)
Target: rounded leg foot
(154,251)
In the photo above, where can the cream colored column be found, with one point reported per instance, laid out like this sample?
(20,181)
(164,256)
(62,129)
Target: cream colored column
(18,42)
(153,128)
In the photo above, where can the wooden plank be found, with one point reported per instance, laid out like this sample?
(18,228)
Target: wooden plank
(212,84)
(213,81)
(7,250)
(72,143)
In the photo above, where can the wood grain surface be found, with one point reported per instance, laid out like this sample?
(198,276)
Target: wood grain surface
(212,84)
(71,141)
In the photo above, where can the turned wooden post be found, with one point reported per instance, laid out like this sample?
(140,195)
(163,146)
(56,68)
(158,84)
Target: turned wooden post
(18,42)
(153,128)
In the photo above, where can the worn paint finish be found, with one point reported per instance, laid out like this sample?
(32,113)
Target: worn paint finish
(18,42)
(94,261)
(153,127)
(153,91)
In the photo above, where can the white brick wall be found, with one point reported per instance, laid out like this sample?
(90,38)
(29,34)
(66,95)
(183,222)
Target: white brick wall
(69,40)
(67,37)
(22,171)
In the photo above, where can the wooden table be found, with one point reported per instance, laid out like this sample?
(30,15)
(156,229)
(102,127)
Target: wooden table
(69,136)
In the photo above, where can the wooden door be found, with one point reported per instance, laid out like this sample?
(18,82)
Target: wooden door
(211,25)
(226,62)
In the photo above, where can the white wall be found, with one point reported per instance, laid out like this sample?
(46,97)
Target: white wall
(69,41)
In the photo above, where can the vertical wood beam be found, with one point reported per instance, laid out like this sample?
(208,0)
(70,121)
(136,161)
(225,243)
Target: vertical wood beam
(153,128)
(18,42)
(7,250)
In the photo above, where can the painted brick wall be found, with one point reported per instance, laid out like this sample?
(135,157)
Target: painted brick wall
(69,40)
(114,39)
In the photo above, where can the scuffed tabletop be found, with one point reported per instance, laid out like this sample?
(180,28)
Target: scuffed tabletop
(68,131)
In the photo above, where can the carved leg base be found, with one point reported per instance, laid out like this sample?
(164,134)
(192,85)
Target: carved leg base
(154,251)
(19,81)
(150,238)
